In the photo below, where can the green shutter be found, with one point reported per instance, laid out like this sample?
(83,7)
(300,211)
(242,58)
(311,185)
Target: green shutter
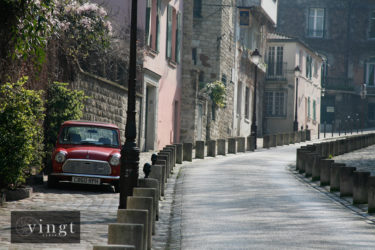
(148,26)
(169,32)
(158,14)
(178,37)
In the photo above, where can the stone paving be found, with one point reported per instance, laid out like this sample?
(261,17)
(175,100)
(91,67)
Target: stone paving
(97,204)
(363,159)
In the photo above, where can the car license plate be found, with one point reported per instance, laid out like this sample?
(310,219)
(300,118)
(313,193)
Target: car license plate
(85,180)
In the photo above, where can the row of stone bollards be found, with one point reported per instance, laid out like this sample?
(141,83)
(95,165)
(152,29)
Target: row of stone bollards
(136,224)
(315,161)
(275,140)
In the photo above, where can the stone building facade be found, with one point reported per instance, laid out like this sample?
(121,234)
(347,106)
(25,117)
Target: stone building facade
(208,49)
(344,33)
(287,92)
(213,51)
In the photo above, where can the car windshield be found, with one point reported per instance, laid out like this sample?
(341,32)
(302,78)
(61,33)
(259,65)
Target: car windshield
(89,135)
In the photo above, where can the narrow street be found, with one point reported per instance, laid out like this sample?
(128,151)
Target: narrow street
(254,201)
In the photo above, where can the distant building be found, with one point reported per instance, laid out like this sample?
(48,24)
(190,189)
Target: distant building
(284,54)
(344,33)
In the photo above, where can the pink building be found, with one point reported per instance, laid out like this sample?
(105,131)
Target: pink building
(162,74)
(160,30)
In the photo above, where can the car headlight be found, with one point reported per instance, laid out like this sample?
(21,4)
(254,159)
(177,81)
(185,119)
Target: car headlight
(115,160)
(60,157)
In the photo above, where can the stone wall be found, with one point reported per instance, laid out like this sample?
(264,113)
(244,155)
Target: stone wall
(108,101)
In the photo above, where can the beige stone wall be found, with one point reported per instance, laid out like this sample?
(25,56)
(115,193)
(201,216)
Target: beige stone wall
(108,101)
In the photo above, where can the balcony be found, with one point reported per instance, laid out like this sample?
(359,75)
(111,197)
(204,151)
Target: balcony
(339,83)
(269,7)
(277,71)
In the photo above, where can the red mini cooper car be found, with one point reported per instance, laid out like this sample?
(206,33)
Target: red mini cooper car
(88,153)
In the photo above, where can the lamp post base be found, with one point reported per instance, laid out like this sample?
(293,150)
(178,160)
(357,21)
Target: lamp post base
(254,135)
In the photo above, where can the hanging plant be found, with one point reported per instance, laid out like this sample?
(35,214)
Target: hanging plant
(217,92)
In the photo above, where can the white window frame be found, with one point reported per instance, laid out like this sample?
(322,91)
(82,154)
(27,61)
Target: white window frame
(274,106)
(370,72)
(313,16)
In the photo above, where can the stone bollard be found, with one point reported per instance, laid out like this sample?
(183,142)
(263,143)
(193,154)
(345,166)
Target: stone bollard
(325,171)
(169,159)
(292,138)
(360,180)
(148,192)
(174,154)
(303,135)
(221,147)
(136,216)
(280,140)
(274,141)
(162,157)
(211,148)
(241,141)
(144,203)
(334,181)
(157,173)
(311,159)
(126,234)
(188,151)
(371,194)
(251,142)
(346,181)
(325,149)
(286,139)
(179,154)
(315,172)
(150,183)
(308,135)
(114,247)
(232,146)
(163,164)
(199,149)
(266,141)
(297,135)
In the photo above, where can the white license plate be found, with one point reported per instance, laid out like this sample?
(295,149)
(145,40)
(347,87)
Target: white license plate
(85,180)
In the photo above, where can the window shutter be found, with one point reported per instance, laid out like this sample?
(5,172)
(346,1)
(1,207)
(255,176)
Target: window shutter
(178,37)
(169,32)
(158,14)
(148,21)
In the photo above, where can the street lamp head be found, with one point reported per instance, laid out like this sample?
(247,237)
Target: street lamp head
(255,57)
(297,71)
(323,92)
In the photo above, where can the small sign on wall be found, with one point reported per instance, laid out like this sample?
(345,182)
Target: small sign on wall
(330,109)
(244,17)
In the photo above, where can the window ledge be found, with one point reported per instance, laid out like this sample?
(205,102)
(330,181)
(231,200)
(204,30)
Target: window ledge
(247,120)
(171,63)
(151,52)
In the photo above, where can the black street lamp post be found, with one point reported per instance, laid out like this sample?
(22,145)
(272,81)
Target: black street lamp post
(255,58)
(129,151)
(297,72)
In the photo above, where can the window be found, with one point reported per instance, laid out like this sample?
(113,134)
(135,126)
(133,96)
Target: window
(316,22)
(275,62)
(308,66)
(372,25)
(152,23)
(173,34)
(197,9)
(247,103)
(275,103)
(239,98)
(314,110)
(308,108)
(370,72)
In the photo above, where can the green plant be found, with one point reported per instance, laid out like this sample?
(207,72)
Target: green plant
(330,156)
(62,104)
(28,27)
(21,133)
(217,92)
